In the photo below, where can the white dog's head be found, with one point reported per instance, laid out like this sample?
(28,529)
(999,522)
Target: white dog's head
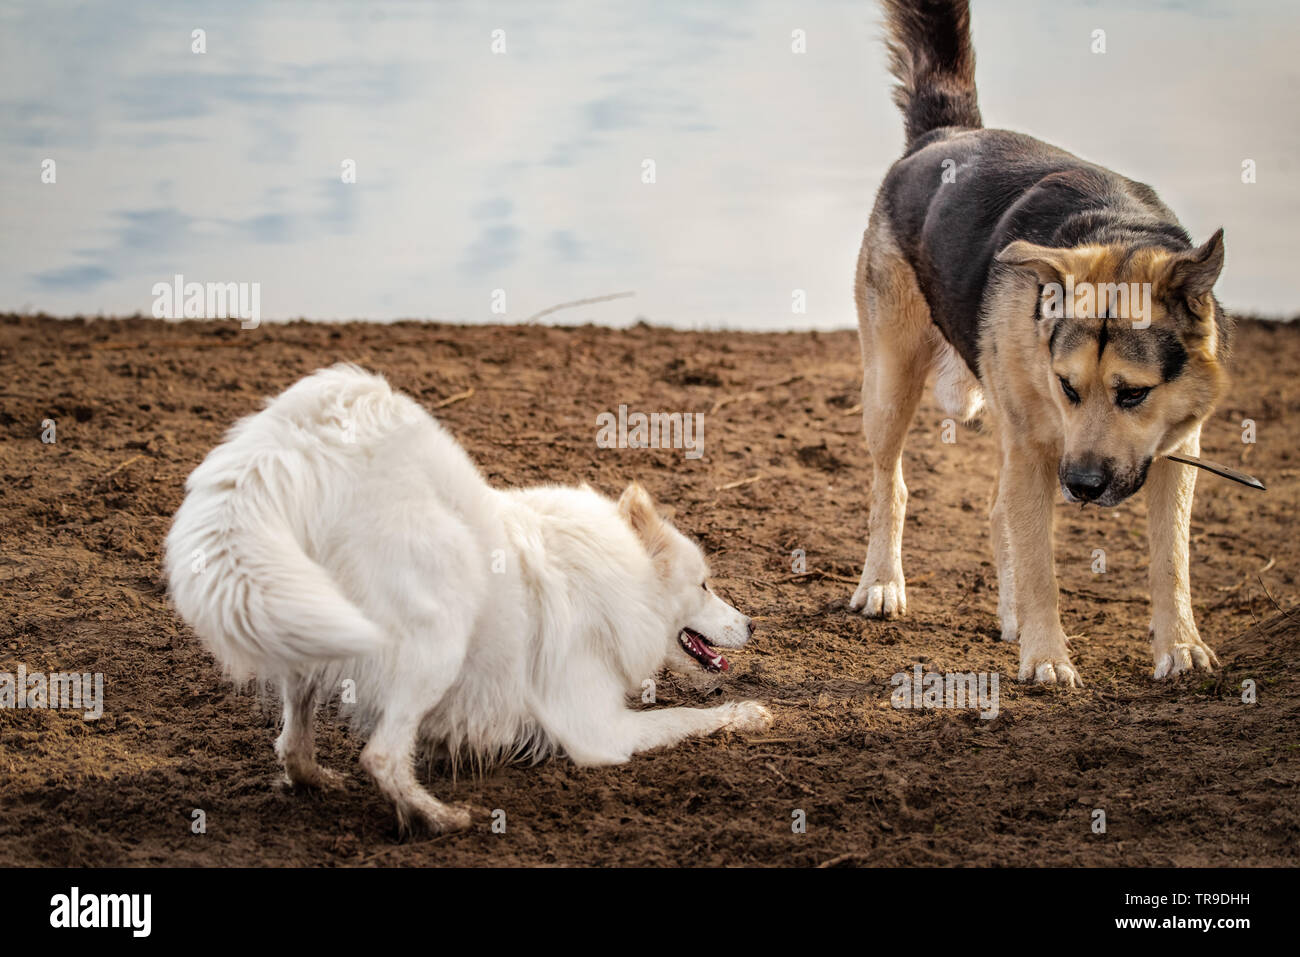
(700,621)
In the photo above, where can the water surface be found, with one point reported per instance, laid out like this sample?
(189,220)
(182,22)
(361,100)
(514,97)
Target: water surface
(522,171)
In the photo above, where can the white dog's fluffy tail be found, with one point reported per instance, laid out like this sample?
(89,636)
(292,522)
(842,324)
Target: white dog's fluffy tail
(262,606)
(238,570)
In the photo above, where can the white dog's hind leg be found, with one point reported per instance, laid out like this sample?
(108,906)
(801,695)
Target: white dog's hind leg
(296,746)
(389,757)
(433,651)
(432,587)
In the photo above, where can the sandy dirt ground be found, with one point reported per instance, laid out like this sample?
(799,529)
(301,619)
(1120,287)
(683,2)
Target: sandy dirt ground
(1185,772)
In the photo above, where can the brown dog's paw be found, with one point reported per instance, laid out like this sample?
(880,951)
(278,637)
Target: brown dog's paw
(1050,670)
(880,599)
(1177,648)
(1185,656)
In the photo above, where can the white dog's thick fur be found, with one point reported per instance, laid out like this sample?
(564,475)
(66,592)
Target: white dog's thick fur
(342,533)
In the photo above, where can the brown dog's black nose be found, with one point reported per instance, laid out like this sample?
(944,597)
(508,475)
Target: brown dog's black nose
(1086,482)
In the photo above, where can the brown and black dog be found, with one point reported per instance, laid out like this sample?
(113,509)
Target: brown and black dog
(1061,296)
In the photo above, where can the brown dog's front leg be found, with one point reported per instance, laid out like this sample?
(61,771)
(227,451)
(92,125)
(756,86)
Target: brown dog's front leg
(1026,492)
(1176,645)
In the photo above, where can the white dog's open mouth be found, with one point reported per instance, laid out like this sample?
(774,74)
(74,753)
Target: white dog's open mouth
(693,644)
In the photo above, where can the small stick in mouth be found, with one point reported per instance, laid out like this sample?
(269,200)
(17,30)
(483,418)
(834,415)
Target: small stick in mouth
(1217,469)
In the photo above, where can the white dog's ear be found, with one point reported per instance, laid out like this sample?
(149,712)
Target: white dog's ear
(638,509)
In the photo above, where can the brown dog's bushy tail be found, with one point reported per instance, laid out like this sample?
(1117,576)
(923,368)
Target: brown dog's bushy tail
(931,56)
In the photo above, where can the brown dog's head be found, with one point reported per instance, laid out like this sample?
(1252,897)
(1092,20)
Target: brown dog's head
(1132,337)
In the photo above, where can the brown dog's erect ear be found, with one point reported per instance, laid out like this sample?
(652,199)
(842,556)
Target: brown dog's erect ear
(638,509)
(1049,266)
(1193,274)
(1045,262)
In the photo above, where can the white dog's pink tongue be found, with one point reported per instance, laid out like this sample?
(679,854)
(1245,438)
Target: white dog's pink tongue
(706,655)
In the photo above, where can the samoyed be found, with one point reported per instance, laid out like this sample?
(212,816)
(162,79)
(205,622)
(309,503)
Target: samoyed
(340,540)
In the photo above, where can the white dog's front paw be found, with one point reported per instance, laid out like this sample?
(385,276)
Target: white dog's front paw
(880,597)
(1044,659)
(748,717)
(1179,649)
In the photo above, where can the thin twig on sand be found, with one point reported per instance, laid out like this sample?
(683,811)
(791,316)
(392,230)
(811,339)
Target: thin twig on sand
(453,399)
(737,484)
(752,393)
(118,468)
(577,302)
(1245,578)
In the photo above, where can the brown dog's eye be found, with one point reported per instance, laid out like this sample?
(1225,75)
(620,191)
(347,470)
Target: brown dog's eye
(704,585)
(1069,390)
(1131,398)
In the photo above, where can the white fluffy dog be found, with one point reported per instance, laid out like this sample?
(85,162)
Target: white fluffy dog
(342,534)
